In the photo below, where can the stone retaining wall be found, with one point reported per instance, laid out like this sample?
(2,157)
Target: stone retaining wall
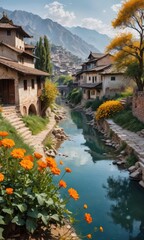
(138,106)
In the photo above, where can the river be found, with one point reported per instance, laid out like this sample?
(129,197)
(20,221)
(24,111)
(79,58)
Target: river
(115,202)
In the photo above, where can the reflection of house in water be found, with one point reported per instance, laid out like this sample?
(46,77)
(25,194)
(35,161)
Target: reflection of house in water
(98,78)
(20,82)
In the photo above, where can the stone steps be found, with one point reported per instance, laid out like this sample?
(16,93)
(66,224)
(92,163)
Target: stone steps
(13,116)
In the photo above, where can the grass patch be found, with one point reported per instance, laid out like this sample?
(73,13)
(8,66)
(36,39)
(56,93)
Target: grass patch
(126,120)
(131,160)
(35,123)
(6,126)
(48,142)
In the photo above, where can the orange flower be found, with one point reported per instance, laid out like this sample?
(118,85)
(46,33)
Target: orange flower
(89,236)
(29,157)
(101,229)
(62,184)
(73,193)
(3,134)
(0,143)
(8,143)
(1,177)
(88,218)
(38,155)
(55,171)
(68,170)
(51,162)
(42,164)
(85,206)
(18,153)
(61,162)
(9,191)
(27,164)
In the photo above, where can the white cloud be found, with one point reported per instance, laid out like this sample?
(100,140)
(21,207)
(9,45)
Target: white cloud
(116,7)
(98,25)
(56,12)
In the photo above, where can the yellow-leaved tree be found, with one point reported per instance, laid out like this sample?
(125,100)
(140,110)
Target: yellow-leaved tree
(49,95)
(128,48)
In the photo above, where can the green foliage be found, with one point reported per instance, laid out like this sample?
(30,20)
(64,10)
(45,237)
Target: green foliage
(48,142)
(64,80)
(35,123)
(75,96)
(49,94)
(28,196)
(6,126)
(88,103)
(96,103)
(126,120)
(131,160)
(122,147)
(43,61)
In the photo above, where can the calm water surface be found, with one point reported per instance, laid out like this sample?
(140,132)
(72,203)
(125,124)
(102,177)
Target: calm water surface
(114,202)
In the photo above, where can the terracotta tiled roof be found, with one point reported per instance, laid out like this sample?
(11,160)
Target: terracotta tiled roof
(112,70)
(21,68)
(6,23)
(17,50)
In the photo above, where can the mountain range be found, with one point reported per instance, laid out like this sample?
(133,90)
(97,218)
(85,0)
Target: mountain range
(79,44)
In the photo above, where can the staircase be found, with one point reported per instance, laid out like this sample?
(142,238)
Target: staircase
(12,115)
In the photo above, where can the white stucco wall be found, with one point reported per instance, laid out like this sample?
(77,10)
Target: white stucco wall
(111,87)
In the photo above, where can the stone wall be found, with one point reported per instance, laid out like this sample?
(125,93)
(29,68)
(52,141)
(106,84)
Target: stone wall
(138,106)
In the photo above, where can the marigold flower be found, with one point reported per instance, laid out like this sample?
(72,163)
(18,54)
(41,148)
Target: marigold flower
(73,193)
(38,155)
(61,162)
(1,177)
(51,162)
(89,236)
(9,191)
(42,164)
(55,171)
(88,218)
(68,170)
(29,157)
(85,206)
(3,134)
(27,164)
(62,184)
(101,229)
(8,143)
(18,153)
(0,143)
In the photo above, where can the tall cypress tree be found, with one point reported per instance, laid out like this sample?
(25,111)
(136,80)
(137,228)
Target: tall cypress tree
(43,61)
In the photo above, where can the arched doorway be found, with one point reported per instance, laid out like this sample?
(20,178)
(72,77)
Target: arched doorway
(24,110)
(32,110)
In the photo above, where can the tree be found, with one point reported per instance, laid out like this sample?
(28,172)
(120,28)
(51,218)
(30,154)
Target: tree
(49,95)
(128,48)
(43,61)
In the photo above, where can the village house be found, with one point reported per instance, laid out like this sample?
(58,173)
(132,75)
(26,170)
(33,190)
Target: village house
(97,77)
(20,82)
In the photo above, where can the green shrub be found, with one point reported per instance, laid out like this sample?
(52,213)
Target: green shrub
(126,120)
(96,103)
(35,123)
(131,160)
(88,103)
(75,96)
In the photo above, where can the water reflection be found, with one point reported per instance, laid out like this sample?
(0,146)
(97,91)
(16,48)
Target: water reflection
(96,147)
(127,207)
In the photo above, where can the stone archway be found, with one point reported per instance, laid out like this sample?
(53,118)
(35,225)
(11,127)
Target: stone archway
(32,110)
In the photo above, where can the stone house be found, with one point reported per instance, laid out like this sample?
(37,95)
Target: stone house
(20,82)
(97,78)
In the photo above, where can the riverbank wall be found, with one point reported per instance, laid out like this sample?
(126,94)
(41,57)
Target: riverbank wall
(127,144)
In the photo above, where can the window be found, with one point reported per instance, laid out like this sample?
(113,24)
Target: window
(113,78)
(89,78)
(8,32)
(38,83)
(32,83)
(93,79)
(25,84)
(92,92)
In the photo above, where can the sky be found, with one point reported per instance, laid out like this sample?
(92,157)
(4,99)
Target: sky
(92,14)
